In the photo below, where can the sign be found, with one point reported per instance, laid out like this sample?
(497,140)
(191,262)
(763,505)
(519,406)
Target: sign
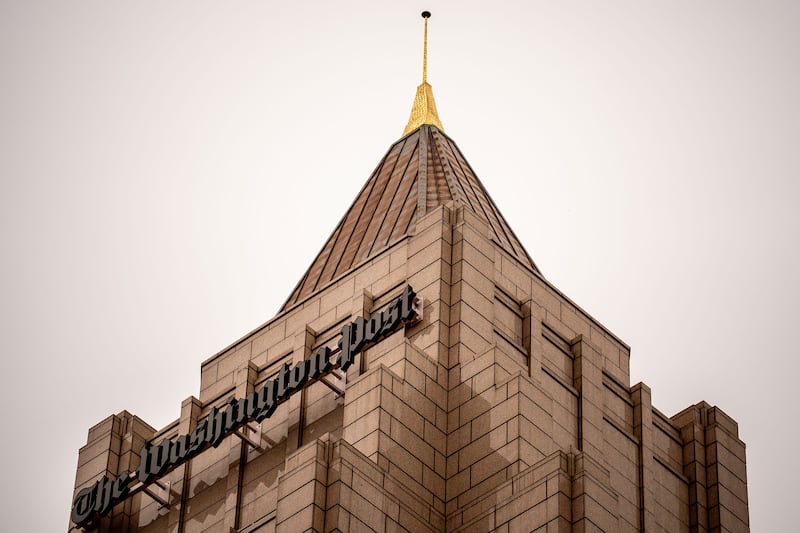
(155,461)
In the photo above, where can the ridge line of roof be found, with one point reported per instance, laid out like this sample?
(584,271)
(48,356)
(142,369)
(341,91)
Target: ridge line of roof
(377,168)
(489,196)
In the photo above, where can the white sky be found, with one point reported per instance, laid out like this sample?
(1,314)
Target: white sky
(169,170)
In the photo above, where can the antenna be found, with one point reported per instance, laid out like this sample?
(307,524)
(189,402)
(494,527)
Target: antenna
(426,15)
(424,109)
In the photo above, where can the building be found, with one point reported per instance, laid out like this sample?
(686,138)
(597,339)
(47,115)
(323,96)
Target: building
(422,376)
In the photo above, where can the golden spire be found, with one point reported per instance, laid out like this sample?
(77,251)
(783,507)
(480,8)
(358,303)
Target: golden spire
(425,48)
(424,109)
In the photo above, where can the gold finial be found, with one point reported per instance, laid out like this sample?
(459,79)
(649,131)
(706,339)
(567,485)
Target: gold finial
(424,109)
(425,15)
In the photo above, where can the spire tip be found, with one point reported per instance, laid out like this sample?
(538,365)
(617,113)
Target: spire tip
(424,108)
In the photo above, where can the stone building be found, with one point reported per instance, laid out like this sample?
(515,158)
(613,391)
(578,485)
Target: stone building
(474,397)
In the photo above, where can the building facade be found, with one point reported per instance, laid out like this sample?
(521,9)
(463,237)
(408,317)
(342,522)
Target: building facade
(423,376)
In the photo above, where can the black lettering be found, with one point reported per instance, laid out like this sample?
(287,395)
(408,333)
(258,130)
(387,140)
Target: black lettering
(99,498)
(298,376)
(372,330)
(198,439)
(232,419)
(320,363)
(121,487)
(218,422)
(407,303)
(357,335)
(154,460)
(252,407)
(391,318)
(83,506)
(102,501)
(179,451)
(268,400)
(346,355)
(283,379)
(161,460)
(144,459)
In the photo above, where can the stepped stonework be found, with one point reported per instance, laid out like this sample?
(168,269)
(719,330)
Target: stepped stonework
(482,400)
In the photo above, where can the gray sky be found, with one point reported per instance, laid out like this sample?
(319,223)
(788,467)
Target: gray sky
(169,170)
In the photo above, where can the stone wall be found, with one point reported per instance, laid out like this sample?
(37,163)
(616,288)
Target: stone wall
(506,408)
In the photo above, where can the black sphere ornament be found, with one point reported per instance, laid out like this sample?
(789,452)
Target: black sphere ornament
(426,14)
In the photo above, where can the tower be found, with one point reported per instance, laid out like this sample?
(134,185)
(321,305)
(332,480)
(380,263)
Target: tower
(423,375)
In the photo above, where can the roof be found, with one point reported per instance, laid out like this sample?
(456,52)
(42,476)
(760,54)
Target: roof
(421,171)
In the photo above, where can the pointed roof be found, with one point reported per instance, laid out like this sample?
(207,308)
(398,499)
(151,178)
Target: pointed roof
(421,171)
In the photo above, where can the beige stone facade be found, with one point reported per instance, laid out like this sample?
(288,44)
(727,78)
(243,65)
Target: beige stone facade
(505,408)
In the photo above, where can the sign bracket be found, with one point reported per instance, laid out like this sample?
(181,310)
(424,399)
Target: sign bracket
(159,491)
(326,381)
(251,434)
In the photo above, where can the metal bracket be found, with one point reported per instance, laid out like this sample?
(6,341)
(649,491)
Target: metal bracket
(251,434)
(417,306)
(159,491)
(338,375)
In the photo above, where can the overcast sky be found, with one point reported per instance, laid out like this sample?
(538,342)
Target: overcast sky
(169,170)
